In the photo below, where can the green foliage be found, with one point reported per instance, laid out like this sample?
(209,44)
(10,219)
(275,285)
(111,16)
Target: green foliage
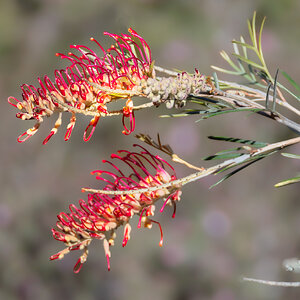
(255,72)
(234,152)
(249,146)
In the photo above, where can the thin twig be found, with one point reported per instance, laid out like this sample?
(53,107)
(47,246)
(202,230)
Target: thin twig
(166,149)
(177,159)
(239,101)
(93,113)
(203,173)
(274,283)
(142,106)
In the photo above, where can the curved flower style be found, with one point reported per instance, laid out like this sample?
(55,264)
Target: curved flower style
(88,84)
(102,214)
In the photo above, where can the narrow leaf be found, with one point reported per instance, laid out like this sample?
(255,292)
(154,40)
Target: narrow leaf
(288,91)
(254,30)
(235,47)
(250,62)
(222,156)
(229,61)
(216,81)
(255,144)
(244,48)
(226,71)
(250,31)
(236,51)
(288,181)
(260,36)
(230,150)
(290,155)
(292,81)
(236,171)
(249,159)
(244,45)
(209,115)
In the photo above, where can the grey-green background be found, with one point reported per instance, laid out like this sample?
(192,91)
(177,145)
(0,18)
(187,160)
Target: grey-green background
(243,227)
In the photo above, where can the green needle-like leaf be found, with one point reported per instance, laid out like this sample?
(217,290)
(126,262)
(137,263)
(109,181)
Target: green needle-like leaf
(244,48)
(229,61)
(255,144)
(254,30)
(236,171)
(222,156)
(290,155)
(243,44)
(288,181)
(250,159)
(216,81)
(250,31)
(292,81)
(250,62)
(226,71)
(260,36)
(221,112)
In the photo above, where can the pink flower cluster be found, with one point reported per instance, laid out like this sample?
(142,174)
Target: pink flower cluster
(87,85)
(100,216)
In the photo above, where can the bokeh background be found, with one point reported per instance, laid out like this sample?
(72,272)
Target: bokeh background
(242,227)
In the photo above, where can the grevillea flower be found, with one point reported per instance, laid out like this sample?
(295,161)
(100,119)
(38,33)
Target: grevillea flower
(88,84)
(102,213)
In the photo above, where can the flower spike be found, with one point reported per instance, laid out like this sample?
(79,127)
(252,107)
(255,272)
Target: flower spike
(88,85)
(100,215)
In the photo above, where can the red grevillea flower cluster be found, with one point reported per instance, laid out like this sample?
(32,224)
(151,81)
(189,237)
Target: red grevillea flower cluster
(87,85)
(101,214)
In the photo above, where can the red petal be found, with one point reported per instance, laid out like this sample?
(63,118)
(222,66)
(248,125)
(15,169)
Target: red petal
(93,123)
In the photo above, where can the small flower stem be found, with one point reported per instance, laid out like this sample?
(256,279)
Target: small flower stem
(177,159)
(92,113)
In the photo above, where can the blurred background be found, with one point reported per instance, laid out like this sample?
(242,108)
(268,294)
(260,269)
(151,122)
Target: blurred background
(243,227)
